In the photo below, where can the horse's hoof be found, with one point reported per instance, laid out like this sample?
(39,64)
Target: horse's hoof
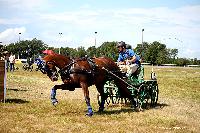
(138,109)
(89,114)
(54,102)
(101,109)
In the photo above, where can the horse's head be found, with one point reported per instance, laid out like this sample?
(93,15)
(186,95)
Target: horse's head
(51,71)
(49,68)
(51,62)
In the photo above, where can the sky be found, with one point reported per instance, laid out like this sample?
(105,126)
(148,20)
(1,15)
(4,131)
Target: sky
(175,23)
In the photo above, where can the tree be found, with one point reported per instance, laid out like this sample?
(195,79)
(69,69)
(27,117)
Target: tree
(182,62)
(2,50)
(162,57)
(70,52)
(173,53)
(27,48)
(108,49)
(81,52)
(195,61)
(154,51)
(141,50)
(91,51)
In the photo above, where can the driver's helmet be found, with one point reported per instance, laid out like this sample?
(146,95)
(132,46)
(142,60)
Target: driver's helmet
(121,44)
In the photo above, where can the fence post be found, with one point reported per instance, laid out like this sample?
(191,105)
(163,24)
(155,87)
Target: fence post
(2,81)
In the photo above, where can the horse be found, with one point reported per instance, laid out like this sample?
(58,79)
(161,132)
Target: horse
(82,73)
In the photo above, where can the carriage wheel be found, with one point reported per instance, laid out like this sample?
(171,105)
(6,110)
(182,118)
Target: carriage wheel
(154,95)
(24,67)
(109,98)
(111,90)
(31,68)
(148,96)
(108,88)
(143,96)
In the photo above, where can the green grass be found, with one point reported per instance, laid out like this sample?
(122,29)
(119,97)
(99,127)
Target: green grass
(28,107)
(183,83)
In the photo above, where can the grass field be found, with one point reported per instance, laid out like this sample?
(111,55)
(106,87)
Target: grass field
(28,107)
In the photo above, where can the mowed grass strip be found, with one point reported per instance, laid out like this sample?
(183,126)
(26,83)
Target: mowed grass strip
(28,107)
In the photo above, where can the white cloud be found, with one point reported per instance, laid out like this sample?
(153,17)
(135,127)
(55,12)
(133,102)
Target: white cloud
(85,6)
(190,53)
(157,17)
(6,21)
(11,35)
(27,5)
(78,17)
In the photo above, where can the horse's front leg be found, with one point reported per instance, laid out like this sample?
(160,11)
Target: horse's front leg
(84,86)
(54,101)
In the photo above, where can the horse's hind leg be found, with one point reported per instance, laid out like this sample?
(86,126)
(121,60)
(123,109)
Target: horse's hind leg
(87,98)
(103,97)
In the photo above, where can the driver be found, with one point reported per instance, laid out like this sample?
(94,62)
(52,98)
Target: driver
(128,60)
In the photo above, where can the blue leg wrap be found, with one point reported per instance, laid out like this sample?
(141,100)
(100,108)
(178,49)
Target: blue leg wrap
(90,112)
(54,101)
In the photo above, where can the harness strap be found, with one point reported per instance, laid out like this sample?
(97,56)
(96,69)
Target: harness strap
(92,64)
(68,69)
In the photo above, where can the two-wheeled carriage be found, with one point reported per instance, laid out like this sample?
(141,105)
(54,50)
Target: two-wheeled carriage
(145,92)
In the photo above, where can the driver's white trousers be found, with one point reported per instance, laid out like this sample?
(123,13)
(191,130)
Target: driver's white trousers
(129,69)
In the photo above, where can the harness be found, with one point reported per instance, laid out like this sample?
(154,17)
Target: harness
(70,68)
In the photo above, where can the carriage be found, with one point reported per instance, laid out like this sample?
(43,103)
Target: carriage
(145,92)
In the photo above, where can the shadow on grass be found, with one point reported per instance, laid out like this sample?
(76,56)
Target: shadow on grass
(19,101)
(157,106)
(15,89)
(110,112)
(160,105)
(130,110)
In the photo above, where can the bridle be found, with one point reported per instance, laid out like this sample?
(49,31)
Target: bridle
(45,69)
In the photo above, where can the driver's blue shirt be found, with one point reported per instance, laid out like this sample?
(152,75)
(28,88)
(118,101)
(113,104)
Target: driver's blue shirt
(128,54)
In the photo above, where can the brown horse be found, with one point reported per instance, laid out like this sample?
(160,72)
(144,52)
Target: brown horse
(82,73)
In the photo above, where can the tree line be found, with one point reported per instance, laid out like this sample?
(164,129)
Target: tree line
(154,53)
